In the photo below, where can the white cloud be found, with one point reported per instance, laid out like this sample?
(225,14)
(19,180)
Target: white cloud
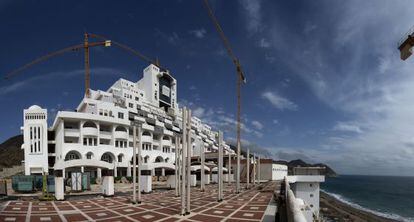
(275,121)
(253,16)
(199,112)
(258,125)
(199,33)
(278,101)
(368,84)
(263,43)
(347,127)
(44,78)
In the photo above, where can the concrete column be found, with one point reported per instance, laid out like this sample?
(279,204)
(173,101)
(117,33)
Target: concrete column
(220,167)
(163,172)
(139,161)
(59,185)
(189,148)
(82,169)
(254,169)
(115,171)
(202,177)
(229,167)
(176,182)
(129,171)
(248,169)
(258,171)
(184,147)
(99,173)
(134,166)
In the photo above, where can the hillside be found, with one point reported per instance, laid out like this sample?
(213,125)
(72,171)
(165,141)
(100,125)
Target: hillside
(11,153)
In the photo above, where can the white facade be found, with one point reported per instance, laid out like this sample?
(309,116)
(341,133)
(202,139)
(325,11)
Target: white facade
(279,171)
(99,133)
(272,171)
(36,143)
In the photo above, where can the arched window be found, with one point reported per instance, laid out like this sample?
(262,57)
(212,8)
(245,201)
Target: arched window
(89,155)
(120,128)
(165,138)
(120,158)
(72,155)
(89,124)
(146,159)
(167,159)
(146,133)
(159,159)
(107,157)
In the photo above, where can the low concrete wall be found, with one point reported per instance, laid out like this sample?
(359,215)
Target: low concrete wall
(294,213)
(8,172)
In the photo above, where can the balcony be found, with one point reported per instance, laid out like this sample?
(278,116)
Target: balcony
(146,139)
(121,135)
(148,127)
(158,123)
(72,132)
(168,132)
(166,143)
(89,131)
(105,135)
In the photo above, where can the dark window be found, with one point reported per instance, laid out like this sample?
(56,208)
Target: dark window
(120,115)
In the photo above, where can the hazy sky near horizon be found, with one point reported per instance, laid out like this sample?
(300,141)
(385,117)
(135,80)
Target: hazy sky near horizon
(325,82)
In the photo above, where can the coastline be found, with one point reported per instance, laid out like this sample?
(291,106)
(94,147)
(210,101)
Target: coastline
(333,209)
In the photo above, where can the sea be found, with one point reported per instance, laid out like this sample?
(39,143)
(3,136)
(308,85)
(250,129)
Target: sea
(387,196)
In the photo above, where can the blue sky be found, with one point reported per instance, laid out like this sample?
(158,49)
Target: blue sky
(325,82)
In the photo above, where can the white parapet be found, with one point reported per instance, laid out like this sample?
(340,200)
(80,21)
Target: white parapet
(59,188)
(146,183)
(226,177)
(214,178)
(207,181)
(193,181)
(108,186)
(171,181)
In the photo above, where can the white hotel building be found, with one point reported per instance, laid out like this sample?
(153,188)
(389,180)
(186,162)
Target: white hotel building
(98,135)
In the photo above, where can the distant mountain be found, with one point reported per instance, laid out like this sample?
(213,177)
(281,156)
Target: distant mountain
(11,153)
(329,172)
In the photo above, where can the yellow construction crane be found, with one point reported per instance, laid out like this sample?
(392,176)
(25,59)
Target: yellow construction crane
(85,46)
(240,78)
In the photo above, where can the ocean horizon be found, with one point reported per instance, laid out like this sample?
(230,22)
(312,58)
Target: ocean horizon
(387,196)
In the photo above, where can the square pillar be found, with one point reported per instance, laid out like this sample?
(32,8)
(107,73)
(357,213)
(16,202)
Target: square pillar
(59,185)
(108,183)
(146,181)
(207,178)
(193,180)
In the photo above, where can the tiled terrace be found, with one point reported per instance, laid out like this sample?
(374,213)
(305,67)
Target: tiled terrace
(249,205)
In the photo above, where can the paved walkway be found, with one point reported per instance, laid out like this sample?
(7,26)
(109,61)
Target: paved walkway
(249,205)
